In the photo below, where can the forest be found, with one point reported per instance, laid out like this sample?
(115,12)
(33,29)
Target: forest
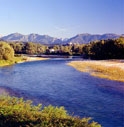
(99,50)
(105,49)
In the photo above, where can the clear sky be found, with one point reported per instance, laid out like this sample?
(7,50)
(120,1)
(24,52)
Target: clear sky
(61,18)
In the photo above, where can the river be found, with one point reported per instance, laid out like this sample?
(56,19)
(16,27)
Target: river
(54,82)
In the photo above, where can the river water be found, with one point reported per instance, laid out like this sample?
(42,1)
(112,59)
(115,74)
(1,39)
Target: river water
(54,82)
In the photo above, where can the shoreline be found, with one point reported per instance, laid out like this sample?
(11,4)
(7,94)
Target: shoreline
(29,58)
(107,69)
(3,91)
(22,60)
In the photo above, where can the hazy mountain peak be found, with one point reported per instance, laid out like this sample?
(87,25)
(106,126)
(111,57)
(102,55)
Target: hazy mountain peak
(16,34)
(32,34)
(46,39)
(84,34)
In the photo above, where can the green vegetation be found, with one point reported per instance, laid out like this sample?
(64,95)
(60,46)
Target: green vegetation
(101,69)
(37,49)
(28,48)
(68,49)
(10,62)
(15,112)
(7,56)
(105,49)
(6,51)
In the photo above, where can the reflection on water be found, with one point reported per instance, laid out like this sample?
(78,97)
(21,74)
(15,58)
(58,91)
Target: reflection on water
(53,82)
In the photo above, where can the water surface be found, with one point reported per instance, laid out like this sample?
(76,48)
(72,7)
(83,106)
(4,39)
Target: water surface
(53,82)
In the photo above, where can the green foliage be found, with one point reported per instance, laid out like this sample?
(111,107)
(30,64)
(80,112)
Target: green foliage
(6,52)
(16,59)
(67,49)
(55,112)
(18,47)
(15,112)
(105,49)
(28,48)
(37,49)
(34,48)
(6,62)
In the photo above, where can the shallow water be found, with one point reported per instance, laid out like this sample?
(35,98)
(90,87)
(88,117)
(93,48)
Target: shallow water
(53,82)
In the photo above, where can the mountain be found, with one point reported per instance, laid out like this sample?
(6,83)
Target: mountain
(45,39)
(85,38)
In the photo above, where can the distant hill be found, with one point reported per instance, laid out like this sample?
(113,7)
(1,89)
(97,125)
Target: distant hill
(45,39)
(85,38)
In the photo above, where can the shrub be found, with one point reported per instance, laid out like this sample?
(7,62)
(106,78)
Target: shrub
(6,51)
(15,112)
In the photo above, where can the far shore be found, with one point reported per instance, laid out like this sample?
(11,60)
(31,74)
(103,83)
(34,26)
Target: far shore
(109,69)
(29,58)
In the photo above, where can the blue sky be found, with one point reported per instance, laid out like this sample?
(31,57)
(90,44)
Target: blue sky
(61,18)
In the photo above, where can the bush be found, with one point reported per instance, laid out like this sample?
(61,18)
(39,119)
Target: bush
(15,112)
(6,51)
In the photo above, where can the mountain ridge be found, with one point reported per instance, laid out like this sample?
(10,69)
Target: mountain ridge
(46,39)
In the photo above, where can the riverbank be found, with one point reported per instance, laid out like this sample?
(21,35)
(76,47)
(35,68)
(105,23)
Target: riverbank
(10,62)
(21,59)
(109,69)
(28,58)
(3,91)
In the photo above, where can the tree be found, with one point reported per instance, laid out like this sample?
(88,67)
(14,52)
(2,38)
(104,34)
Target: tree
(6,51)
(105,49)
(31,48)
(18,47)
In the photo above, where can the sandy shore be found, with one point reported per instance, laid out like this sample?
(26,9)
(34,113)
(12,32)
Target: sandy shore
(109,63)
(26,59)
(109,69)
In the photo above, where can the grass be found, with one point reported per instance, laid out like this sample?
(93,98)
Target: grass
(19,59)
(101,69)
(10,62)
(15,112)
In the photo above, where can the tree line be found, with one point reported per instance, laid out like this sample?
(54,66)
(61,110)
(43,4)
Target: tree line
(105,49)
(102,49)
(32,48)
